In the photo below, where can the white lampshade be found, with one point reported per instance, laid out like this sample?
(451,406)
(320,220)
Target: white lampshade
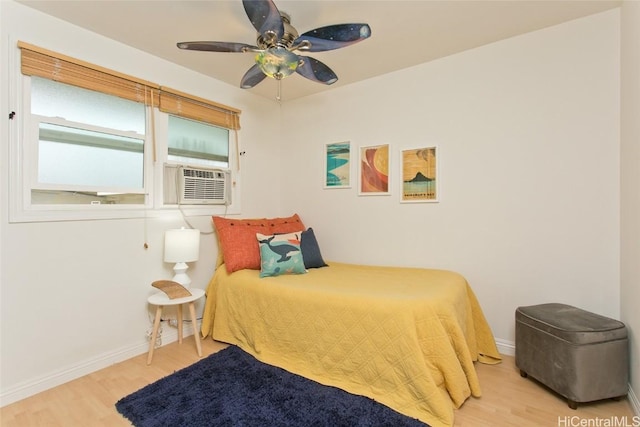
(181,246)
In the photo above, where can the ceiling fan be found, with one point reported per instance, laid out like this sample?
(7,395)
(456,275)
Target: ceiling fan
(277,41)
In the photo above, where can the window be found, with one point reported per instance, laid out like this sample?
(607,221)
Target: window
(196,143)
(198,135)
(90,147)
(93,143)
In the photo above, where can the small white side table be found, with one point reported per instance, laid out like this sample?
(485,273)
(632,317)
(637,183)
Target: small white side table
(160,299)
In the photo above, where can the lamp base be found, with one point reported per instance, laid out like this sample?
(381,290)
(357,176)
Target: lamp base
(180,276)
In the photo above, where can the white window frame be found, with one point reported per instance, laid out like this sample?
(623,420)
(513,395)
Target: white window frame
(23,154)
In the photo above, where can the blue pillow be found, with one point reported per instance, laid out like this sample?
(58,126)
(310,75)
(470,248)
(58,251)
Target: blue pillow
(280,254)
(310,250)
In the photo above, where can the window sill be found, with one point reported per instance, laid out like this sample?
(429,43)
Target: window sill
(104,212)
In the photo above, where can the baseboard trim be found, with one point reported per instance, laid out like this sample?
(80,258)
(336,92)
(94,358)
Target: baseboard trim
(505,347)
(38,385)
(633,400)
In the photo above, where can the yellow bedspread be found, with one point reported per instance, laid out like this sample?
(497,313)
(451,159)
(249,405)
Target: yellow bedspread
(404,337)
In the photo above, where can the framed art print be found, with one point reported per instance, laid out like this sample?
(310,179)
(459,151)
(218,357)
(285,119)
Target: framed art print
(337,165)
(420,175)
(374,170)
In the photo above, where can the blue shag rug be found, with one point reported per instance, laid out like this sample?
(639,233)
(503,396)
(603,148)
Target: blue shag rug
(232,388)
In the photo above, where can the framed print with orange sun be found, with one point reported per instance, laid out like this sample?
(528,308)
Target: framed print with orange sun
(420,175)
(374,170)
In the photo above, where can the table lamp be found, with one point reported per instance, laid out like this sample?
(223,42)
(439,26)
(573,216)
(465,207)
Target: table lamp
(181,246)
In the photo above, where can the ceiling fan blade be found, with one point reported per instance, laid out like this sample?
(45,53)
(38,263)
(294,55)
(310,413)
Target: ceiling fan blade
(265,17)
(315,70)
(217,46)
(334,37)
(252,77)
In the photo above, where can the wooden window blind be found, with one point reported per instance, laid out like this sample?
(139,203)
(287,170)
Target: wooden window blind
(64,69)
(44,63)
(191,107)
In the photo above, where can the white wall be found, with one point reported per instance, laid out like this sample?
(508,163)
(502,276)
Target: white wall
(630,186)
(528,132)
(73,294)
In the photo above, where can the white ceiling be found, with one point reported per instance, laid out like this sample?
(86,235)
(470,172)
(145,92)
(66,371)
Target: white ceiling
(404,33)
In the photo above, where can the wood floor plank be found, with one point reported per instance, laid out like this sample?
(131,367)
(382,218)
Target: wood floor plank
(507,399)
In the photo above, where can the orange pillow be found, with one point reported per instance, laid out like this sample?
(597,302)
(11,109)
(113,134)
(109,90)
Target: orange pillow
(286,225)
(237,238)
(222,229)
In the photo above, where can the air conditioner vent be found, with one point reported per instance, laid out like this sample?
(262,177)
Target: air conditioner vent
(196,185)
(202,185)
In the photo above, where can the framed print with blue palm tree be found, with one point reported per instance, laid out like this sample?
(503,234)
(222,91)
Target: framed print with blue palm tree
(420,171)
(337,165)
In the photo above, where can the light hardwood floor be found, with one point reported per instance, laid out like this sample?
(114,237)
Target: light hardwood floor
(508,399)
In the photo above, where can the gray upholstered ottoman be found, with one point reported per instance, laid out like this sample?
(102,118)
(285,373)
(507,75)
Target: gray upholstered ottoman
(580,355)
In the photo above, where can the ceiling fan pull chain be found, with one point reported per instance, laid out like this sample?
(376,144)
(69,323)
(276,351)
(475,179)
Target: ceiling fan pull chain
(279,94)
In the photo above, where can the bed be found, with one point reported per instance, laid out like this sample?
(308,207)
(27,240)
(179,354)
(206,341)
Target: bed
(405,337)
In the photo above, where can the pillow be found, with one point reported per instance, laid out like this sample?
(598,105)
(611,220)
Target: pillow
(237,245)
(280,254)
(286,225)
(238,242)
(310,250)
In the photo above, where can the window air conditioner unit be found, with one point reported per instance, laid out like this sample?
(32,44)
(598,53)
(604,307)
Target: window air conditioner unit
(191,185)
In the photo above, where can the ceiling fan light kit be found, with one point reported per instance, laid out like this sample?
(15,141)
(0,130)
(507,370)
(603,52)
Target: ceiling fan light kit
(277,62)
(277,42)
